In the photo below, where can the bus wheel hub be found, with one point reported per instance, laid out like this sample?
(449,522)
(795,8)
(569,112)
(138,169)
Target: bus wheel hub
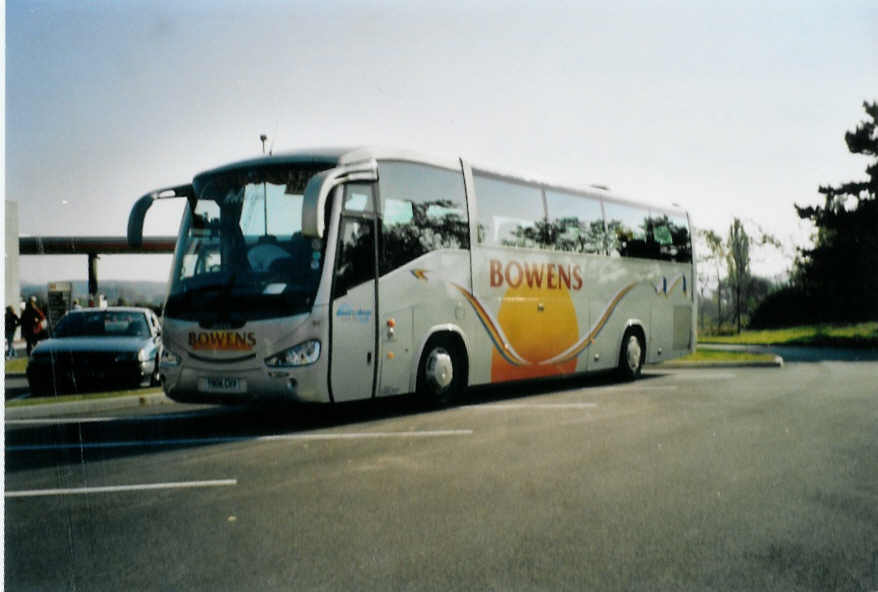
(439,370)
(633,352)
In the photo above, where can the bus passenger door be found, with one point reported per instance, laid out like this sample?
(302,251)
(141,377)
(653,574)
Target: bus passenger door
(353,344)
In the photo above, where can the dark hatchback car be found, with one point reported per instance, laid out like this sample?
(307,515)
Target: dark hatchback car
(97,348)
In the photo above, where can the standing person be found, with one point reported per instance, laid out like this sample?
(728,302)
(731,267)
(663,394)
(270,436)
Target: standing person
(33,323)
(12,322)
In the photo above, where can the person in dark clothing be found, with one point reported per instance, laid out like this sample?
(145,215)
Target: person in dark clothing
(12,323)
(33,324)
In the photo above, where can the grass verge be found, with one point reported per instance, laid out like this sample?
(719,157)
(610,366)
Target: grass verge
(16,365)
(80,397)
(709,355)
(858,335)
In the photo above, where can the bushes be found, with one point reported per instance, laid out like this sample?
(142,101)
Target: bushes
(786,307)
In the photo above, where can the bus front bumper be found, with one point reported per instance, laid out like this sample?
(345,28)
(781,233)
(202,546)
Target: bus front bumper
(199,385)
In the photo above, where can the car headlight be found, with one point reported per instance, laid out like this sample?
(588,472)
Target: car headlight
(125,357)
(143,355)
(302,354)
(169,358)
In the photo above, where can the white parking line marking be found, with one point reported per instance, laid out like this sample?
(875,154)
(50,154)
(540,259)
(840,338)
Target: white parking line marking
(636,387)
(229,439)
(59,420)
(695,374)
(500,406)
(118,488)
(128,418)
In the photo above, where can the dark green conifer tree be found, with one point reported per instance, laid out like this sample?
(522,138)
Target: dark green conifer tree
(839,275)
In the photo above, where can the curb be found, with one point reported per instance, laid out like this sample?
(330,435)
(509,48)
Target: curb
(759,348)
(776,363)
(52,409)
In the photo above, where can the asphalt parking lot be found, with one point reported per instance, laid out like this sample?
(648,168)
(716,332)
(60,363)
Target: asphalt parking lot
(725,479)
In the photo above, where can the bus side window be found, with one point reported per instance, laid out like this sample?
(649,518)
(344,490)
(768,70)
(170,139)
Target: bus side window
(423,209)
(628,230)
(575,223)
(358,198)
(679,227)
(670,235)
(511,213)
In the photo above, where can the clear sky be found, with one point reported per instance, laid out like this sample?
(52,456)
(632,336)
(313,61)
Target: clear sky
(728,109)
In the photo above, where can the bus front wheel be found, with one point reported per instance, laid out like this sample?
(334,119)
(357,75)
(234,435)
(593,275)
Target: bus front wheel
(440,371)
(631,355)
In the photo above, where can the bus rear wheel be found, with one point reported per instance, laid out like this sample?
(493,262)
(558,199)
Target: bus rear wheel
(631,355)
(440,371)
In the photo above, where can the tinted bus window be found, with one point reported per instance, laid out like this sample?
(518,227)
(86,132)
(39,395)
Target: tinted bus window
(628,230)
(510,213)
(358,197)
(356,255)
(671,234)
(575,223)
(423,209)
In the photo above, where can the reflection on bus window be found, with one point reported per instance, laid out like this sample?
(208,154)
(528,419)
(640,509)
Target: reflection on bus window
(627,228)
(671,234)
(423,209)
(356,257)
(358,198)
(640,232)
(511,213)
(575,223)
(242,242)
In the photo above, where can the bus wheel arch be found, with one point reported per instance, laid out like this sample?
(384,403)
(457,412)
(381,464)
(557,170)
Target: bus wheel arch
(632,352)
(443,367)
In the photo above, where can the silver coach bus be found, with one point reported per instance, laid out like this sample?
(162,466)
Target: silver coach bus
(334,275)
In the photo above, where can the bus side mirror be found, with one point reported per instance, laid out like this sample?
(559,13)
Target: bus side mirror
(142,205)
(135,220)
(319,186)
(312,203)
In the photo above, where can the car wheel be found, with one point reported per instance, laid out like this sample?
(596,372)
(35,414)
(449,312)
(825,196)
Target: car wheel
(440,371)
(631,355)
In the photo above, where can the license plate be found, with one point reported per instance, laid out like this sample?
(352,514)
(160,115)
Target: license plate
(222,384)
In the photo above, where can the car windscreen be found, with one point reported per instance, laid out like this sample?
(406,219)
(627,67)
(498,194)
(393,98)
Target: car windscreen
(103,324)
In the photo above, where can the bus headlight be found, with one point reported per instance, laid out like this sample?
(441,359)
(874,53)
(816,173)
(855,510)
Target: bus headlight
(169,358)
(302,354)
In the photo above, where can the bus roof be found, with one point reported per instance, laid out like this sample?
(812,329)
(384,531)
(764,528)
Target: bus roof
(335,156)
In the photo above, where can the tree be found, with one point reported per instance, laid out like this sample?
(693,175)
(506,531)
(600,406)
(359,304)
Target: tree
(717,256)
(738,261)
(838,275)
